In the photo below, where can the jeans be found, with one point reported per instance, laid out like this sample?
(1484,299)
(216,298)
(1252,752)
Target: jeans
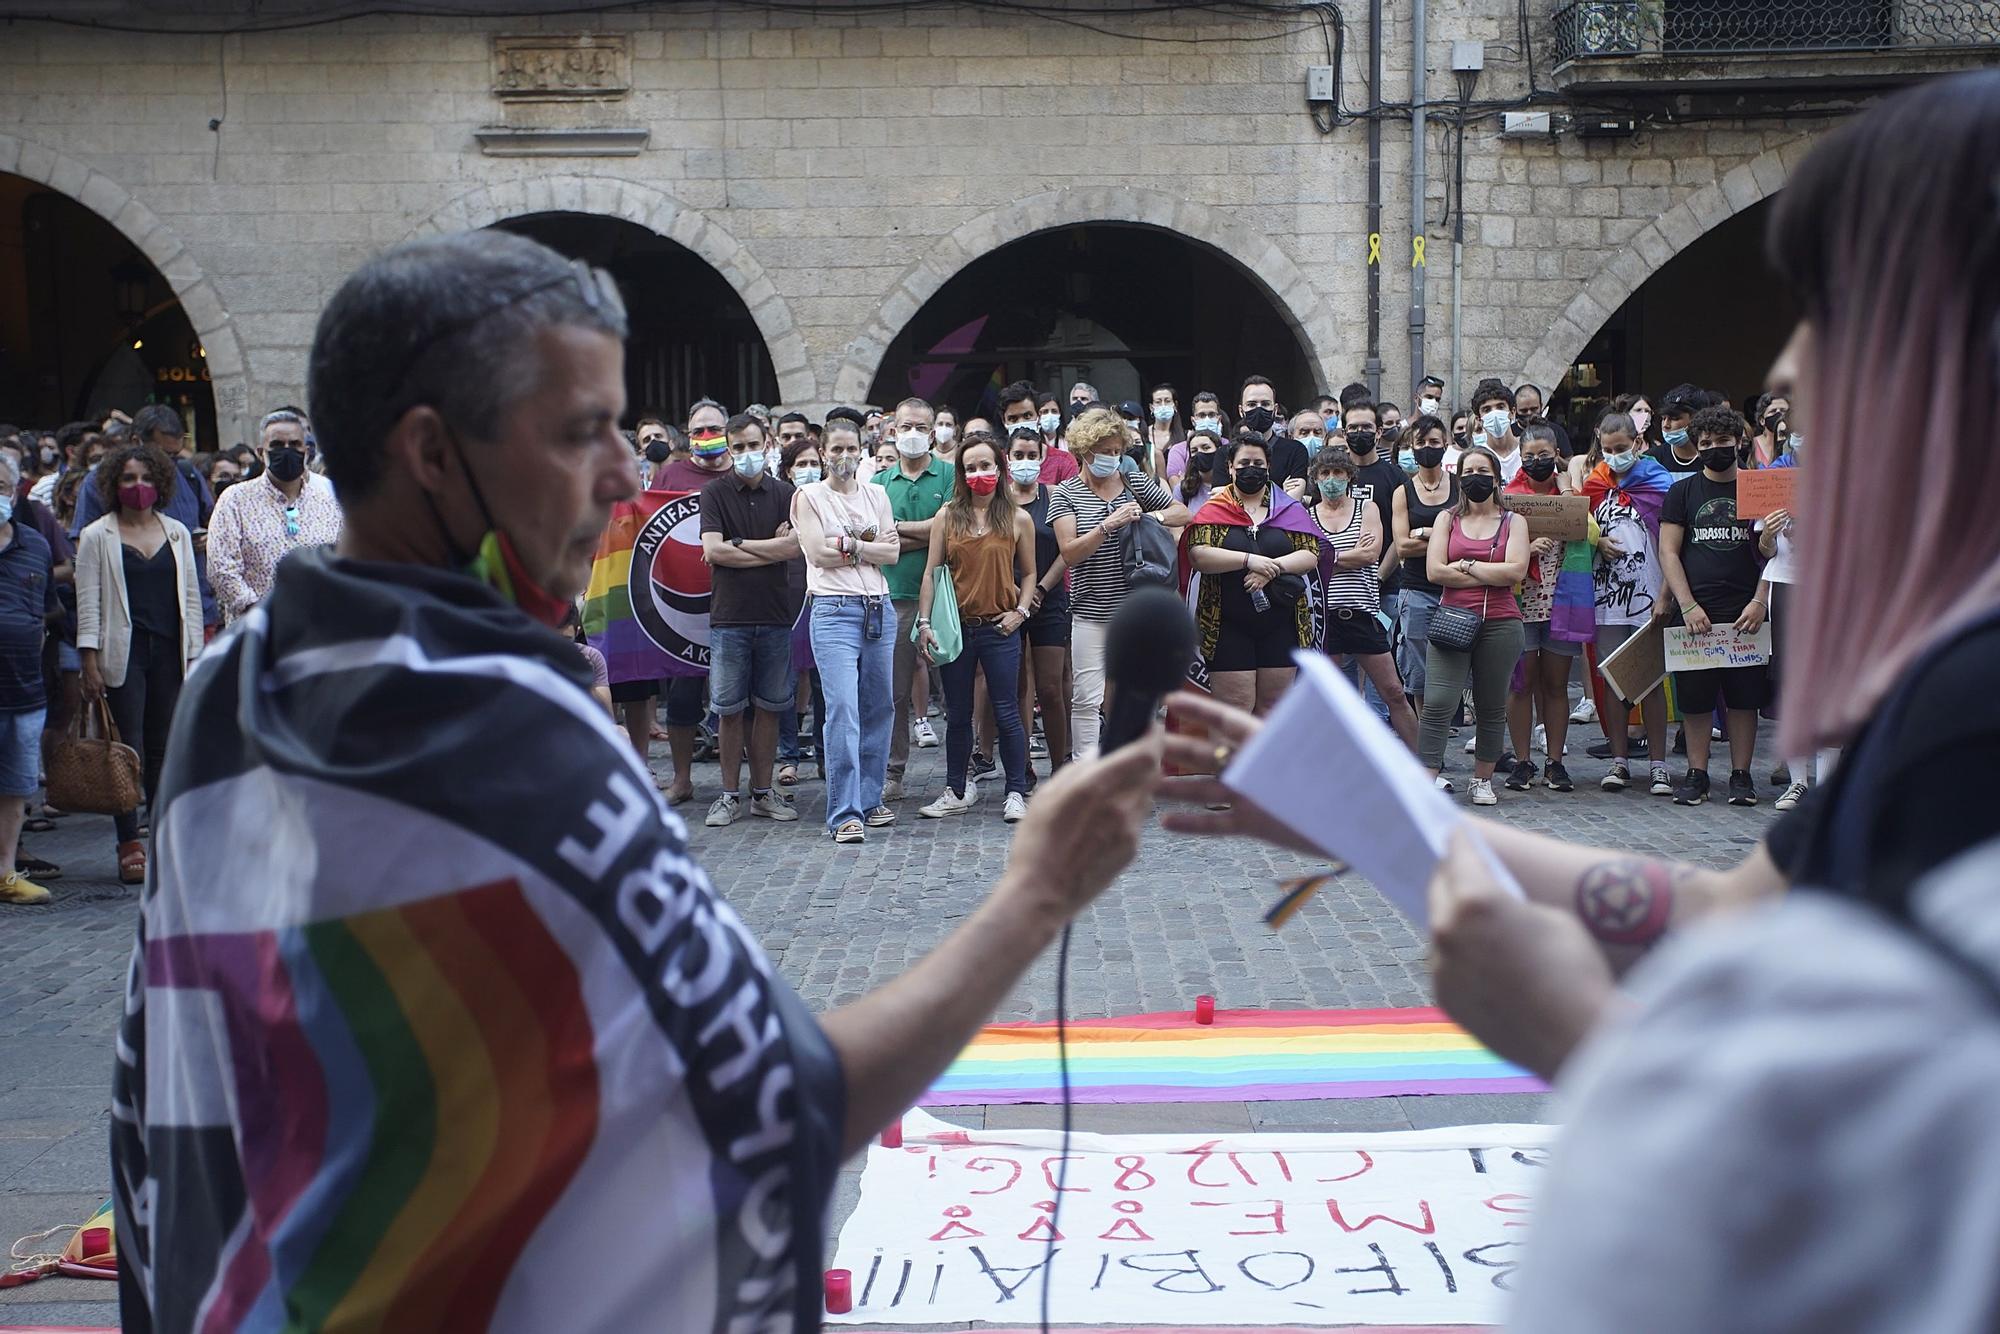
(788,721)
(1000,655)
(854,725)
(750,664)
(1490,661)
(1392,607)
(1086,665)
(1417,606)
(143,708)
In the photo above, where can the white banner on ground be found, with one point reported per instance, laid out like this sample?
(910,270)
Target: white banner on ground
(1405,1227)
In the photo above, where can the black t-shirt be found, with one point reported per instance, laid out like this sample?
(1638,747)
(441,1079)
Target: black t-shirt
(1899,798)
(758,595)
(1718,550)
(1424,515)
(1288,460)
(1379,481)
(1663,455)
(1273,542)
(1047,549)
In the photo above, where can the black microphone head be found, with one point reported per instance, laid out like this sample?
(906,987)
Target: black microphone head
(1150,643)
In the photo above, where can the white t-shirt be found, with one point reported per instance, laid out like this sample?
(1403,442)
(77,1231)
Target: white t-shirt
(1628,584)
(855,513)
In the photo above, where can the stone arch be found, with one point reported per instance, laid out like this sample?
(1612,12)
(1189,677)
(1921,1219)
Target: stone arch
(76,180)
(660,213)
(1649,250)
(1304,307)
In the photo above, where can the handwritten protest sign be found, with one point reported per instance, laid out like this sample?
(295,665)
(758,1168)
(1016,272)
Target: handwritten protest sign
(1408,1227)
(1566,517)
(1637,665)
(1765,489)
(1721,646)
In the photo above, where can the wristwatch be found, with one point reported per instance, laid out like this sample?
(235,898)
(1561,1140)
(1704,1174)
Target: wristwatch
(736,542)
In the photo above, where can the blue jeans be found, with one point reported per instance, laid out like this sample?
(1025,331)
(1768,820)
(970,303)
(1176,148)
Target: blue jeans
(1392,607)
(854,676)
(1417,608)
(1000,655)
(750,664)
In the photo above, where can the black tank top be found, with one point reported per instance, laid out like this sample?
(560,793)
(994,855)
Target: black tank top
(1422,515)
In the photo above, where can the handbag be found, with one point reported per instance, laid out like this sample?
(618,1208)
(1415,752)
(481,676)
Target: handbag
(945,626)
(100,773)
(1151,554)
(1455,628)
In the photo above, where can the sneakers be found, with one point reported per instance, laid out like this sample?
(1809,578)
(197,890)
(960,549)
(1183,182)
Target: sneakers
(1519,780)
(772,807)
(1742,790)
(1483,794)
(1781,776)
(1017,808)
(950,803)
(1472,743)
(1556,778)
(1585,711)
(17,888)
(723,811)
(1444,784)
(1692,790)
(1616,777)
(879,817)
(850,831)
(1635,749)
(1663,786)
(1038,747)
(1681,742)
(1540,741)
(892,790)
(982,765)
(922,733)
(1792,796)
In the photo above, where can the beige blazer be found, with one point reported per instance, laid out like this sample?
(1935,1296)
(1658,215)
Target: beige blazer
(104,616)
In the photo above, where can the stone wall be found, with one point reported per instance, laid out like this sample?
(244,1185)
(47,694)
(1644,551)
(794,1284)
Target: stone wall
(837,169)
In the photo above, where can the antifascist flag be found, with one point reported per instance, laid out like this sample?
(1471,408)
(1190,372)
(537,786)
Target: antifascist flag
(647,608)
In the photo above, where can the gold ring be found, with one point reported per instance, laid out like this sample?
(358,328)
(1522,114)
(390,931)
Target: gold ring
(1222,754)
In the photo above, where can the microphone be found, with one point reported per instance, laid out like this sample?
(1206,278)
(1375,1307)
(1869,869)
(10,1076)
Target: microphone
(1147,651)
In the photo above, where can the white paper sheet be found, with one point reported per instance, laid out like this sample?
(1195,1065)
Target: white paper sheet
(1326,767)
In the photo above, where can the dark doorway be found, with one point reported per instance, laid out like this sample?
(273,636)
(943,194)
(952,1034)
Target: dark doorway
(1712,316)
(692,336)
(1122,306)
(87,324)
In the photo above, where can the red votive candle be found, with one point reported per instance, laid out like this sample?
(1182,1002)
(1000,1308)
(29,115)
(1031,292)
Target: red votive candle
(839,1292)
(892,1134)
(1204,1009)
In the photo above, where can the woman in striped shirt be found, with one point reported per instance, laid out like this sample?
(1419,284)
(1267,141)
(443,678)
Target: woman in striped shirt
(1348,555)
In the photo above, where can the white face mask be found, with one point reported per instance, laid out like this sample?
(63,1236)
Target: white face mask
(913,444)
(1163,412)
(1051,423)
(1208,423)
(1427,406)
(945,432)
(1496,422)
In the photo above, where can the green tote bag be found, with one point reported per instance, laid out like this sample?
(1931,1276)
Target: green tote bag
(945,627)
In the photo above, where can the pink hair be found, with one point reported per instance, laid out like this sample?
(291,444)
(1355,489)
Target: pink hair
(1895,255)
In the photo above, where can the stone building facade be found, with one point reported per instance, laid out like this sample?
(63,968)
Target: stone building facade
(837,169)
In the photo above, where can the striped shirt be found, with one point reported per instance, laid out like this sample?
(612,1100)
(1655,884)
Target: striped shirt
(1099,584)
(1358,588)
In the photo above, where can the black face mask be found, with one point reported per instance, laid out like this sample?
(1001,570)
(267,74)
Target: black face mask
(1202,460)
(285,463)
(1429,456)
(1361,440)
(1252,478)
(1541,469)
(658,451)
(1719,458)
(1259,420)
(1478,488)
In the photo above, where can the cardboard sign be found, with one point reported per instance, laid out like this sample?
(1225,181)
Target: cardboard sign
(1638,665)
(1566,517)
(1722,646)
(1762,490)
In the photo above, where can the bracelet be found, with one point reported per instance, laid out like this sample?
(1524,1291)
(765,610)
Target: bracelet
(1687,607)
(923,620)
(1760,602)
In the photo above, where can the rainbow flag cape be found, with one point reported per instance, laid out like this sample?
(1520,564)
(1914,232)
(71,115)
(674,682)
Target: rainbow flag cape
(646,609)
(1244,1056)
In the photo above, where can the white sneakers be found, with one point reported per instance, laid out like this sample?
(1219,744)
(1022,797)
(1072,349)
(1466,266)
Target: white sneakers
(949,804)
(1585,711)
(1482,792)
(923,734)
(1017,808)
(773,807)
(1793,795)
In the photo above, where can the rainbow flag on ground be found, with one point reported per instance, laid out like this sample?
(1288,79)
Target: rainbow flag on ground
(1244,1056)
(647,607)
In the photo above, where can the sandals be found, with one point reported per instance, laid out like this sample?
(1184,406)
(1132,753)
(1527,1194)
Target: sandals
(37,824)
(132,862)
(788,775)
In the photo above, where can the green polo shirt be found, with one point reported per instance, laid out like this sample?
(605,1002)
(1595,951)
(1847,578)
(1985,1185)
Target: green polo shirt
(912,500)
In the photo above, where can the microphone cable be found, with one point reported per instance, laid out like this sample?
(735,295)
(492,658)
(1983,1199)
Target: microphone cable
(1062,1163)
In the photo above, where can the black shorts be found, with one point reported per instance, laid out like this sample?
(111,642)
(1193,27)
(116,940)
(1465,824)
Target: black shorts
(1049,627)
(1267,641)
(1352,630)
(631,692)
(1695,693)
(686,701)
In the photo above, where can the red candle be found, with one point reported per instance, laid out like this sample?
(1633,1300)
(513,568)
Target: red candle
(892,1134)
(839,1292)
(1204,1009)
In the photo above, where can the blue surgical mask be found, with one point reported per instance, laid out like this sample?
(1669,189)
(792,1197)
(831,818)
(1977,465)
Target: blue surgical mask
(1497,422)
(805,476)
(1025,471)
(1675,437)
(6,509)
(1210,423)
(1794,442)
(1333,488)
(1163,412)
(1312,444)
(750,463)
(1622,462)
(1105,465)
(1051,423)
(1406,460)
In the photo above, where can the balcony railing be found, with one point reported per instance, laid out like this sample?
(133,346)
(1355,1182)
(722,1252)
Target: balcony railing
(1654,28)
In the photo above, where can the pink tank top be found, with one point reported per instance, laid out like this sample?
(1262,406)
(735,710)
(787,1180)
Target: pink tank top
(1495,604)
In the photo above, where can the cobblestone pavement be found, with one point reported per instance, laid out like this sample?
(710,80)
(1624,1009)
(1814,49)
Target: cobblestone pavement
(1184,920)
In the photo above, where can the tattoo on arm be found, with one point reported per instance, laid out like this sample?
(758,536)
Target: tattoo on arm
(1626,902)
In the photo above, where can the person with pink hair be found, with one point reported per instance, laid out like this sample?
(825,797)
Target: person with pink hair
(1782,1117)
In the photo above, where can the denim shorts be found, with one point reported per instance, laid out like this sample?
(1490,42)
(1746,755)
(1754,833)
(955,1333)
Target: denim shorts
(1535,637)
(750,663)
(21,752)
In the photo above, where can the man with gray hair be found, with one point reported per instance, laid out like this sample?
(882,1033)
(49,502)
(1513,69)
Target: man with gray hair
(27,605)
(420,921)
(259,522)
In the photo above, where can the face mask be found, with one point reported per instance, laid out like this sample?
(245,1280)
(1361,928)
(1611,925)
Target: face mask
(285,464)
(1202,460)
(1025,472)
(1641,419)
(1622,463)
(912,444)
(6,509)
(658,451)
(946,434)
(805,476)
(1104,465)
(1496,422)
(1051,423)
(1312,444)
(1541,469)
(1406,460)
(1260,420)
(845,467)
(1163,413)
(1252,478)
(1793,442)
(750,463)
(496,563)
(1478,488)
(1333,488)
(138,496)
(1208,423)
(1678,437)
(1719,458)
(982,483)
(1428,406)
(1430,456)
(1361,440)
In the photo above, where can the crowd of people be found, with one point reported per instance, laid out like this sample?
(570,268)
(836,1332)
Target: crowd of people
(1343,527)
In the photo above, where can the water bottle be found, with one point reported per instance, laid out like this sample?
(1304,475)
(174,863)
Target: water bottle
(1259,600)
